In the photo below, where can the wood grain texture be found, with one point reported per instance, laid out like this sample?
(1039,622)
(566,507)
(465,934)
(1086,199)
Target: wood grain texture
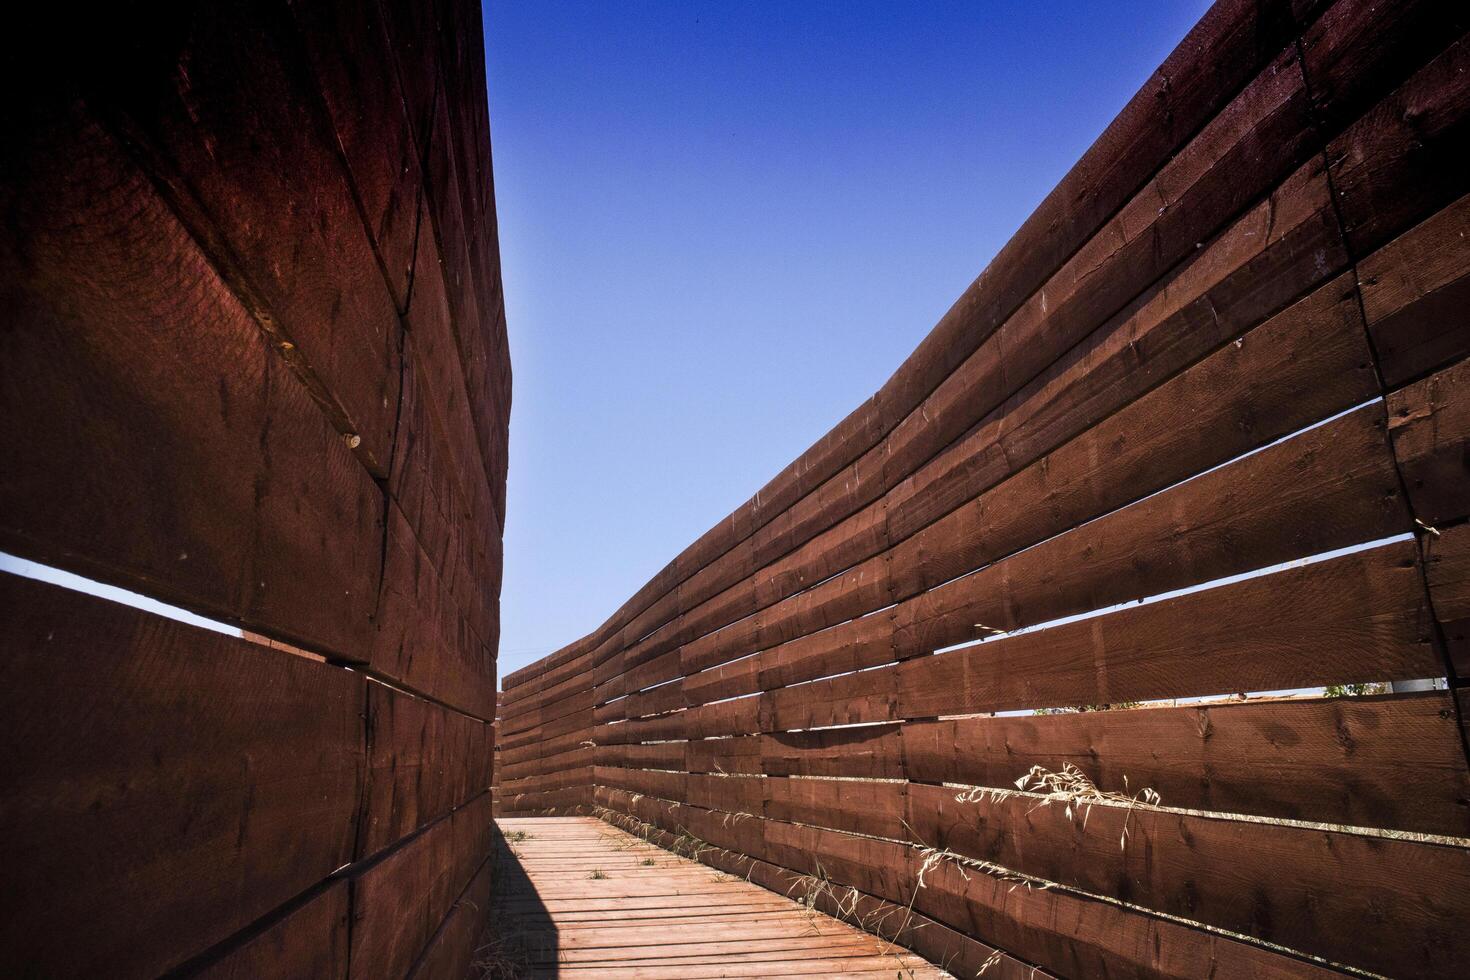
(228,120)
(656,915)
(1447,570)
(1416,296)
(198,469)
(399,902)
(452,949)
(1369,762)
(233,381)
(201,782)
(1361,617)
(1430,425)
(423,760)
(1314,890)
(309,941)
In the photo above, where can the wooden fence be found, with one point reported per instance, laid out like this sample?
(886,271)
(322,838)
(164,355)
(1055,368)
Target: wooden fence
(253,364)
(1201,430)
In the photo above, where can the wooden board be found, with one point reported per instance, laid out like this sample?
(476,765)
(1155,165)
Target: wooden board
(1393,762)
(197,468)
(399,901)
(165,785)
(1360,617)
(423,760)
(228,120)
(725,926)
(1447,568)
(310,940)
(1315,890)
(1430,425)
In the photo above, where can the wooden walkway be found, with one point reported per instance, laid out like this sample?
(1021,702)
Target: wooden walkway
(578,898)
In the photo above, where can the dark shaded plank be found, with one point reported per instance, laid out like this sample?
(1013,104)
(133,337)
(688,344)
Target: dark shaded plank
(1416,296)
(309,941)
(452,949)
(399,902)
(173,452)
(1400,162)
(165,785)
(348,47)
(1429,422)
(423,761)
(1447,570)
(227,118)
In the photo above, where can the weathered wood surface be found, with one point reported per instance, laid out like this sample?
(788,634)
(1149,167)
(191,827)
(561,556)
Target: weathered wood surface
(253,364)
(202,782)
(652,914)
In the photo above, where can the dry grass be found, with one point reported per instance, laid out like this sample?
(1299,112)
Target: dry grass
(500,957)
(597,875)
(1076,793)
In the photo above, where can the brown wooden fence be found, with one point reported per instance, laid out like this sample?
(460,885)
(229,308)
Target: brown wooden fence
(252,363)
(1231,341)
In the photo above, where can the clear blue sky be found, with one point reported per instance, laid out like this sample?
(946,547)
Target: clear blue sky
(724,225)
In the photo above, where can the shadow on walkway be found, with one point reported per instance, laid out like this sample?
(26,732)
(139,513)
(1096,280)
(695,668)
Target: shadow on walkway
(520,939)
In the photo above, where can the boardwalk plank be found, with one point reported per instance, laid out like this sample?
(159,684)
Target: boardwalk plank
(671,918)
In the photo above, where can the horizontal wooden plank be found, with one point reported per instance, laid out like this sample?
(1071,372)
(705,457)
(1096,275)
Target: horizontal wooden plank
(229,122)
(1430,425)
(165,785)
(560,779)
(1331,486)
(1447,570)
(1396,165)
(1393,762)
(1326,488)
(423,761)
(218,485)
(310,940)
(1232,395)
(869,750)
(857,805)
(1073,936)
(544,731)
(1416,296)
(1309,889)
(579,756)
(1281,248)
(1360,617)
(567,798)
(399,902)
